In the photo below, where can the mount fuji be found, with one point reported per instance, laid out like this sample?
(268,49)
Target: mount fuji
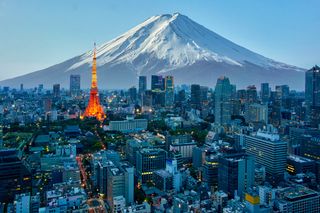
(170,44)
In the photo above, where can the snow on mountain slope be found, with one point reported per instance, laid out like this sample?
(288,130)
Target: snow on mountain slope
(178,40)
(161,45)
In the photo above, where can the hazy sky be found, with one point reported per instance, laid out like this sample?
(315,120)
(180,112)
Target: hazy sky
(35,34)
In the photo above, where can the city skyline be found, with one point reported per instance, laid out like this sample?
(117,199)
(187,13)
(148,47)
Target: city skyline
(297,43)
(186,106)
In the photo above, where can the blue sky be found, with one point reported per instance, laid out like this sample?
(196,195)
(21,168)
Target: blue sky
(35,34)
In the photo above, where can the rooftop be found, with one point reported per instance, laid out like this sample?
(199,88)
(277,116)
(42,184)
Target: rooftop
(297,193)
(299,159)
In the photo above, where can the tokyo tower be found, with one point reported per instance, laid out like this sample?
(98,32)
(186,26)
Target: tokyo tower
(94,109)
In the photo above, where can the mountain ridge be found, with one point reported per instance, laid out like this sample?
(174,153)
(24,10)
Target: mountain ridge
(167,44)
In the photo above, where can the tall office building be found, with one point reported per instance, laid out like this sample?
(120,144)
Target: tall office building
(148,161)
(40,88)
(74,85)
(157,88)
(209,169)
(297,136)
(204,94)
(257,113)
(147,98)
(169,91)
(133,94)
(15,178)
(142,84)
(181,97)
(269,151)
(251,93)
(56,90)
(312,94)
(120,182)
(265,92)
(195,96)
(47,104)
(223,92)
(282,91)
(157,83)
(236,174)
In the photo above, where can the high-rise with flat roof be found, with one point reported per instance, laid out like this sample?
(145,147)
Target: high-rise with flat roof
(120,182)
(223,92)
(74,85)
(268,151)
(15,178)
(236,174)
(298,199)
(312,94)
(169,91)
(142,84)
(195,96)
(56,90)
(265,93)
(148,161)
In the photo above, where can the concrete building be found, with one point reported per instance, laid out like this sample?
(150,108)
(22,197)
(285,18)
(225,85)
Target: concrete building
(15,177)
(129,125)
(75,85)
(257,113)
(184,147)
(120,182)
(236,174)
(148,161)
(223,92)
(169,91)
(268,151)
(298,199)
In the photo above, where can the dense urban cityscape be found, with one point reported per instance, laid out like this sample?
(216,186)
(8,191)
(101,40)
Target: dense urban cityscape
(143,106)
(167,148)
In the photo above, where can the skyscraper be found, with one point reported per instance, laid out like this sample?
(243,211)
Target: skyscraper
(142,84)
(257,113)
(269,151)
(265,92)
(195,96)
(15,178)
(157,83)
(148,161)
(133,94)
(312,91)
(158,93)
(94,109)
(282,91)
(56,90)
(120,182)
(236,174)
(74,85)
(223,92)
(252,96)
(169,91)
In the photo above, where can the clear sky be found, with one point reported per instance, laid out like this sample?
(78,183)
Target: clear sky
(35,34)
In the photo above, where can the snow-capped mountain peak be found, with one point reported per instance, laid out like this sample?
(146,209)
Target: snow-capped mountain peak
(179,42)
(169,44)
